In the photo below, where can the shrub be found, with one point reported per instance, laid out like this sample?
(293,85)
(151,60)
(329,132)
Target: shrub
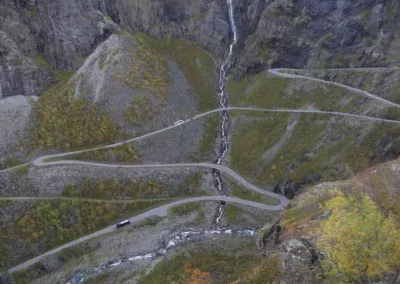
(359,240)
(185,209)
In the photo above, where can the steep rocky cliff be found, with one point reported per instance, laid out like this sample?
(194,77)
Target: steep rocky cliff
(40,36)
(306,33)
(37,37)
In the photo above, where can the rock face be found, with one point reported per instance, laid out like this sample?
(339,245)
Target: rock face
(14,116)
(202,21)
(297,250)
(307,33)
(37,37)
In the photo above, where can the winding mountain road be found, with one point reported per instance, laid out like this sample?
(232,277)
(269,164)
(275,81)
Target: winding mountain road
(40,161)
(29,198)
(163,210)
(283,72)
(159,211)
(226,170)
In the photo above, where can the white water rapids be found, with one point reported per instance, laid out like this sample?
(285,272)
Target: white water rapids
(80,275)
(223,101)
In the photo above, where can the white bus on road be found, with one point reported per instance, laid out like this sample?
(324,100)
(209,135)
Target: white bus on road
(123,224)
(178,122)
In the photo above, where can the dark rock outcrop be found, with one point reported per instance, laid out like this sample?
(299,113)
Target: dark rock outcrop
(203,21)
(287,188)
(37,37)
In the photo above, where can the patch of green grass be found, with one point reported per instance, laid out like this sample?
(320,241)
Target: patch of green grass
(191,187)
(345,148)
(366,14)
(124,153)
(132,189)
(24,169)
(211,125)
(338,62)
(102,61)
(113,189)
(17,61)
(309,209)
(196,64)
(251,141)
(257,90)
(78,250)
(43,225)
(184,209)
(4,203)
(233,212)
(28,275)
(149,222)
(342,148)
(264,91)
(40,61)
(30,13)
(293,148)
(246,194)
(62,77)
(270,271)
(10,162)
(369,41)
(246,156)
(263,51)
(196,17)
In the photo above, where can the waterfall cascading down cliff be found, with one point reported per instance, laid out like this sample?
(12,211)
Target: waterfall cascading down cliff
(223,101)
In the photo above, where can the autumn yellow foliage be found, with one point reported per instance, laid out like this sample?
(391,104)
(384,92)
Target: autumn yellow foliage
(195,276)
(360,242)
(60,121)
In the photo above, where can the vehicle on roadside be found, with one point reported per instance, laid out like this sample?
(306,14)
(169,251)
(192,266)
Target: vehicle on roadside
(178,122)
(123,224)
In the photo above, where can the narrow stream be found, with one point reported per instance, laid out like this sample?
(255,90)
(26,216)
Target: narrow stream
(223,102)
(80,275)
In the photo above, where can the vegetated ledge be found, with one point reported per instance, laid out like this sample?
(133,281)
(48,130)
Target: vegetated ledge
(332,148)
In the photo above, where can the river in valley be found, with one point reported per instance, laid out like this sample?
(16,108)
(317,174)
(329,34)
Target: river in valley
(80,275)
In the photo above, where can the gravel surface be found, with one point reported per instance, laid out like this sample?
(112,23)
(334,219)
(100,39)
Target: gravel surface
(52,181)
(14,116)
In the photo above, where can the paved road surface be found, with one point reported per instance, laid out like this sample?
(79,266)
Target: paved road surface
(159,211)
(39,161)
(30,198)
(283,73)
(245,183)
(162,210)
